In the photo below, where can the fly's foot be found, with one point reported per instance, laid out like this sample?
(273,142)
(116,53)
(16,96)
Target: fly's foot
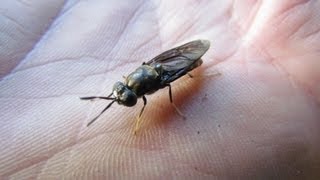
(178,111)
(137,125)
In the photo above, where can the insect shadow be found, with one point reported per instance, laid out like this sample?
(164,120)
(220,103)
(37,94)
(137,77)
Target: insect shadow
(153,75)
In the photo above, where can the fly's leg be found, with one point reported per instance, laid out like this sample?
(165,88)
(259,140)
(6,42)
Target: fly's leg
(138,121)
(174,105)
(212,74)
(190,75)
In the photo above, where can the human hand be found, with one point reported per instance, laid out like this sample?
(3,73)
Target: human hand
(259,119)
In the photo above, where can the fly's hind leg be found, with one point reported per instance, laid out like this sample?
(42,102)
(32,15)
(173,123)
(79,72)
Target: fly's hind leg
(212,74)
(173,104)
(190,75)
(138,121)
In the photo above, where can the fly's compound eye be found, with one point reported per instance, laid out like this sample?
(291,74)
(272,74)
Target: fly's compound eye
(124,95)
(128,98)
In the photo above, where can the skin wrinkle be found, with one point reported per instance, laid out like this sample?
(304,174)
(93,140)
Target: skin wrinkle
(69,8)
(218,61)
(281,19)
(187,28)
(293,31)
(105,72)
(298,28)
(55,61)
(20,27)
(312,33)
(219,19)
(275,61)
(39,165)
(26,164)
(244,26)
(228,14)
(28,48)
(133,16)
(160,25)
(249,34)
(56,21)
(145,43)
(25,3)
(284,16)
(280,69)
(59,60)
(295,5)
(71,145)
(157,17)
(45,159)
(10,56)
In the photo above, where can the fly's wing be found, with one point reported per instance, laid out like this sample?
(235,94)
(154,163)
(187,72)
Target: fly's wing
(178,61)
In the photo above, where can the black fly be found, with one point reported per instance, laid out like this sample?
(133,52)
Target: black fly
(156,74)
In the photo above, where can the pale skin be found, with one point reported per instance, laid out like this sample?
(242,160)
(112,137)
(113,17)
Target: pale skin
(258,119)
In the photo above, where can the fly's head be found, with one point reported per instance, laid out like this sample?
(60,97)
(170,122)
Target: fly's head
(123,95)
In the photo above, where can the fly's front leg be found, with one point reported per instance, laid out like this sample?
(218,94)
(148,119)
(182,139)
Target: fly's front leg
(174,105)
(138,121)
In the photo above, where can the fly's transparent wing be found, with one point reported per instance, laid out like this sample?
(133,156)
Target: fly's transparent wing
(178,61)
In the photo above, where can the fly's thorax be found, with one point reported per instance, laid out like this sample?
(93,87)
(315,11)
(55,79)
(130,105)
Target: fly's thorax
(143,80)
(124,95)
(159,69)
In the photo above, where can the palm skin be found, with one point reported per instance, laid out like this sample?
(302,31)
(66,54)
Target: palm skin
(258,119)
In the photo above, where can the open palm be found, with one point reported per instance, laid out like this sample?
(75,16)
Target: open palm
(258,119)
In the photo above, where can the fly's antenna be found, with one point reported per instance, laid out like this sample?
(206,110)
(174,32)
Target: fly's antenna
(94,119)
(99,97)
